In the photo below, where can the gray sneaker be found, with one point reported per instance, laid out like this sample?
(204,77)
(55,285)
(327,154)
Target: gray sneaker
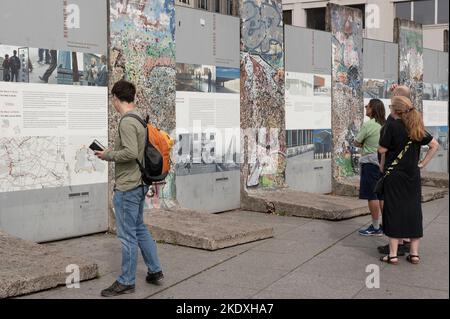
(117,289)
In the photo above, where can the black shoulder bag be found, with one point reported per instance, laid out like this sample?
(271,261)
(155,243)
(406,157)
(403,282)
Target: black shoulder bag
(379,186)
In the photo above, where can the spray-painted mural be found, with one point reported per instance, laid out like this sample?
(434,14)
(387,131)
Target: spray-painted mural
(142,50)
(345,25)
(409,37)
(262,94)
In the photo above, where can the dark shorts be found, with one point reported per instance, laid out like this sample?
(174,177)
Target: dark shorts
(370,174)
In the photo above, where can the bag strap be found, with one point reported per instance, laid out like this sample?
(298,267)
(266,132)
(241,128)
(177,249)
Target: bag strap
(399,157)
(137,117)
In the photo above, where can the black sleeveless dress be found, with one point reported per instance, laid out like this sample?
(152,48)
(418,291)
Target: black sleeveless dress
(402,211)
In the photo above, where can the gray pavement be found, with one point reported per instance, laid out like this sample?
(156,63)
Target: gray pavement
(305,259)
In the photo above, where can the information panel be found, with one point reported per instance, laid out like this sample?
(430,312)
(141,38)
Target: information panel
(53,104)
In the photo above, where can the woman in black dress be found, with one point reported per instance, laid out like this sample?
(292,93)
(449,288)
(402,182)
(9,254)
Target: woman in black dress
(402,211)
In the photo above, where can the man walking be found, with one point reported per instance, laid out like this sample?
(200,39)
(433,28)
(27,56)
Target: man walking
(129,194)
(52,66)
(14,66)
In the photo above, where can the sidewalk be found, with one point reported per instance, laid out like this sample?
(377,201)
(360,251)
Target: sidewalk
(306,259)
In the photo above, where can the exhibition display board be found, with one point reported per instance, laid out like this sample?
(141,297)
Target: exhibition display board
(435,105)
(207,155)
(308,109)
(53,104)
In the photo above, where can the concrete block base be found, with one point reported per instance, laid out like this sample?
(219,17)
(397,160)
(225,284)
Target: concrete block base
(347,187)
(432,193)
(438,188)
(201,230)
(26,267)
(435,179)
(294,203)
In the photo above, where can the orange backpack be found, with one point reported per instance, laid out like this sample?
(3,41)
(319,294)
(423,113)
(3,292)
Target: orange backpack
(156,163)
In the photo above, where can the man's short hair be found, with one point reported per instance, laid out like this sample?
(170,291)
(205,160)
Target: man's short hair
(125,91)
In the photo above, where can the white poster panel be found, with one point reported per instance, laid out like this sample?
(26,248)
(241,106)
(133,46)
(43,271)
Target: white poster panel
(45,133)
(308,101)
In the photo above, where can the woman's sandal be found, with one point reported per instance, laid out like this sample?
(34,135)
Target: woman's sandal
(388,259)
(413,259)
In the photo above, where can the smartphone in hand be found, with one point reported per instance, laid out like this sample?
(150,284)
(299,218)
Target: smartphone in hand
(96,146)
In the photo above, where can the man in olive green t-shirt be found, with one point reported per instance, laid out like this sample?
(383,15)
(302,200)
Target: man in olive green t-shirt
(129,194)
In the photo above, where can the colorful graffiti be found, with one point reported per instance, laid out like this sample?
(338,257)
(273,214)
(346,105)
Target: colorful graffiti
(409,37)
(262,94)
(345,25)
(262,30)
(142,50)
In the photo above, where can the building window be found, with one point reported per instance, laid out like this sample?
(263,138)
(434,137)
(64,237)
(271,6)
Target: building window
(315,18)
(403,10)
(203,4)
(230,7)
(287,17)
(217,6)
(184,1)
(424,11)
(289,138)
(294,138)
(442,11)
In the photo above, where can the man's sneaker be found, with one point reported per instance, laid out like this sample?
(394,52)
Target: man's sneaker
(154,278)
(371,231)
(117,289)
(401,250)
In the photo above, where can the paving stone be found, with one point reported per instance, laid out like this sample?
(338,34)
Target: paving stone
(202,230)
(26,267)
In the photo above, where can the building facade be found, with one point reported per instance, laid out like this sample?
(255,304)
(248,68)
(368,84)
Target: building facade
(379,17)
(228,7)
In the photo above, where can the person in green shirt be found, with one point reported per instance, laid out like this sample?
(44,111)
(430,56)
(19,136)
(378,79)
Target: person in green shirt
(368,138)
(129,194)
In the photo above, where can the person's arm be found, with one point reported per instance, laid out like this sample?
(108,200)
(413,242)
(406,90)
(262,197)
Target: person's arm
(128,137)
(433,146)
(382,159)
(359,139)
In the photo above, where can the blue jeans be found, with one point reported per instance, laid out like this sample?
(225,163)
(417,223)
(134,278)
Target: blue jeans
(132,232)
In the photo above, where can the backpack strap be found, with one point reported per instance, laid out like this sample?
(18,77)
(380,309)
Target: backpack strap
(137,117)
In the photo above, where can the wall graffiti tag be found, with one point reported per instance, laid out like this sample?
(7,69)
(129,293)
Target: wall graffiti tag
(262,30)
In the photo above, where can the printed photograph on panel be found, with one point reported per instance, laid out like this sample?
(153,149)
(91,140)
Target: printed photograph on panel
(227,80)
(196,78)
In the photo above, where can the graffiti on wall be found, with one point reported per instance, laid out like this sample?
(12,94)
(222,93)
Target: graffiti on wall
(409,37)
(262,30)
(345,25)
(262,94)
(142,50)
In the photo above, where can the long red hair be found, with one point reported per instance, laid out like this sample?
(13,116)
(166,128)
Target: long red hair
(410,116)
